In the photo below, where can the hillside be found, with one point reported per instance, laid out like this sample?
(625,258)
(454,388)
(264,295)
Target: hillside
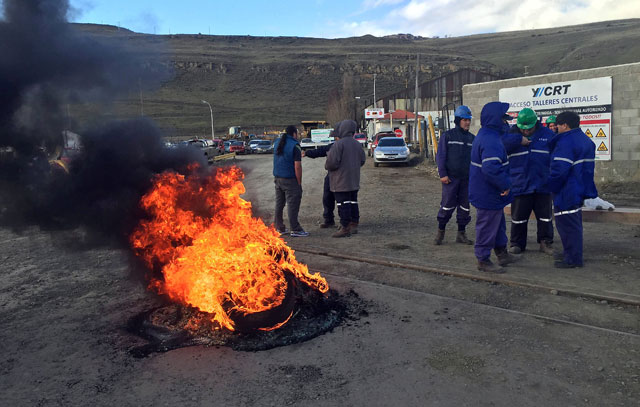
(271,81)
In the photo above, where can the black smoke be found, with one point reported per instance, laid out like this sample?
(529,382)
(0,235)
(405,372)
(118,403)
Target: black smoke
(46,65)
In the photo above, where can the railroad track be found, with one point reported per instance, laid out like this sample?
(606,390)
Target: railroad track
(492,307)
(514,281)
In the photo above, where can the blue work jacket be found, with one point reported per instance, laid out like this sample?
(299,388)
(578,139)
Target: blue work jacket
(489,170)
(528,165)
(572,170)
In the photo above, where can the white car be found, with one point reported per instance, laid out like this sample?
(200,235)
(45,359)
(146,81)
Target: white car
(391,150)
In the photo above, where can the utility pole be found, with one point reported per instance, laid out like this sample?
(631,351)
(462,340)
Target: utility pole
(141,100)
(415,105)
(375,104)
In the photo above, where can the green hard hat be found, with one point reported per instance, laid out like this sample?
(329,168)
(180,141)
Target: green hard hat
(526,119)
(551,119)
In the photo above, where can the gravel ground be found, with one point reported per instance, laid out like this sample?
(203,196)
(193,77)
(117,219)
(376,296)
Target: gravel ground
(426,339)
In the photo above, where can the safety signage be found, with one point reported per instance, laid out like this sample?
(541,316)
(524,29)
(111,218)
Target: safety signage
(590,98)
(377,113)
(321,135)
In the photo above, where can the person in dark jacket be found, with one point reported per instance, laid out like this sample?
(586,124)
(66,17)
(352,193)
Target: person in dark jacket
(571,182)
(344,160)
(527,145)
(489,187)
(328,199)
(453,159)
(287,170)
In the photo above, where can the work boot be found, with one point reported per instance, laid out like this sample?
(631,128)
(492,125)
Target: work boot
(504,257)
(462,238)
(327,224)
(546,248)
(439,237)
(488,266)
(515,250)
(344,231)
(353,228)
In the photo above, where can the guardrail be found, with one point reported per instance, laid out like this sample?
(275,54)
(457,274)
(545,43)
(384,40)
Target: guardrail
(224,156)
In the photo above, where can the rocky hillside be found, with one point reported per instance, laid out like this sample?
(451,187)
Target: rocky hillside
(266,82)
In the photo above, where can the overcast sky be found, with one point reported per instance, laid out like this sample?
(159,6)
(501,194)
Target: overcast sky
(346,18)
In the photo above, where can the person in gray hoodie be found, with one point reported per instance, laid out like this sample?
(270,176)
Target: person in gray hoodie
(343,163)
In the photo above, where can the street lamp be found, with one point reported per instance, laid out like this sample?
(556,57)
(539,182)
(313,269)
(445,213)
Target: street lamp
(213,136)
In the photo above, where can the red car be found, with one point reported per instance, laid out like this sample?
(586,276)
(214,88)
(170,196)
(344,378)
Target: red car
(237,147)
(376,138)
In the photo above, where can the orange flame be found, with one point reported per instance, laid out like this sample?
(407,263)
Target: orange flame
(213,254)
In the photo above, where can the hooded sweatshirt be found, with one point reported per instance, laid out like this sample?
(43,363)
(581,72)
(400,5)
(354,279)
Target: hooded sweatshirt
(345,158)
(489,170)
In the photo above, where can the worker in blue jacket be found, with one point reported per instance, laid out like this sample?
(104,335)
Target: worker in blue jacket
(489,187)
(453,159)
(527,145)
(571,182)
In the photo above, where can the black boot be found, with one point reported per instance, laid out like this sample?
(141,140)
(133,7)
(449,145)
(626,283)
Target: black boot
(488,266)
(439,237)
(504,257)
(462,238)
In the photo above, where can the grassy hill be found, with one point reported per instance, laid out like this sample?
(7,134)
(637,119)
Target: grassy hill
(267,82)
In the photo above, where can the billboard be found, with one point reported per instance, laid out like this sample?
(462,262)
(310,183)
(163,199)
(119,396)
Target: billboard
(590,98)
(377,113)
(321,135)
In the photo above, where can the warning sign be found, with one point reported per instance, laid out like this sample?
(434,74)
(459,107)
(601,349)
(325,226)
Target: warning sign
(590,98)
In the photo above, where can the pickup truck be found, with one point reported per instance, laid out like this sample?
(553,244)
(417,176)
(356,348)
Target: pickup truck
(207,147)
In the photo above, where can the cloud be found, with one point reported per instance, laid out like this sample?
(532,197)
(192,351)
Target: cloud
(370,4)
(464,17)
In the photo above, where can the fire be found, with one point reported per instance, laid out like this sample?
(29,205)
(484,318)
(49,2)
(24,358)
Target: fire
(212,253)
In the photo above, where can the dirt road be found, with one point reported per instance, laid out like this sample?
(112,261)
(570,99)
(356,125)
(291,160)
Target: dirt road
(428,339)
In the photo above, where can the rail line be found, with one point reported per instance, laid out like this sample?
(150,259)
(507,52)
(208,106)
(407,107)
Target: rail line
(615,297)
(511,311)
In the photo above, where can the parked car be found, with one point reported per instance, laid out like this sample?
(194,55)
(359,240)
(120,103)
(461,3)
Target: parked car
(376,138)
(391,150)
(262,147)
(361,138)
(252,144)
(237,147)
(218,145)
(206,146)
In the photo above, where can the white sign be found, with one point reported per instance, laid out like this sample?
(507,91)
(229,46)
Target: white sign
(321,135)
(590,98)
(377,113)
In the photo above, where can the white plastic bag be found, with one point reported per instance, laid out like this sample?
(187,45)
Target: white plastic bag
(599,203)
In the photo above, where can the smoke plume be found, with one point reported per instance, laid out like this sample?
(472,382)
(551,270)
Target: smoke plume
(46,64)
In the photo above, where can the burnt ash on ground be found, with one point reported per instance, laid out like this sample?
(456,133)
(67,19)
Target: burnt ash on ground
(176,326)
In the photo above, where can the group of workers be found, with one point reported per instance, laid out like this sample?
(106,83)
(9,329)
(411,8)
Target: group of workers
(545,169)
(341,184)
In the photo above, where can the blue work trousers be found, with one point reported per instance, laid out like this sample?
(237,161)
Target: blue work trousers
(569,224)
(491,232)
(348,208)
(455,195)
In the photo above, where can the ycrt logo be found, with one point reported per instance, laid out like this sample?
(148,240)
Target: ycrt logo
(551,90)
